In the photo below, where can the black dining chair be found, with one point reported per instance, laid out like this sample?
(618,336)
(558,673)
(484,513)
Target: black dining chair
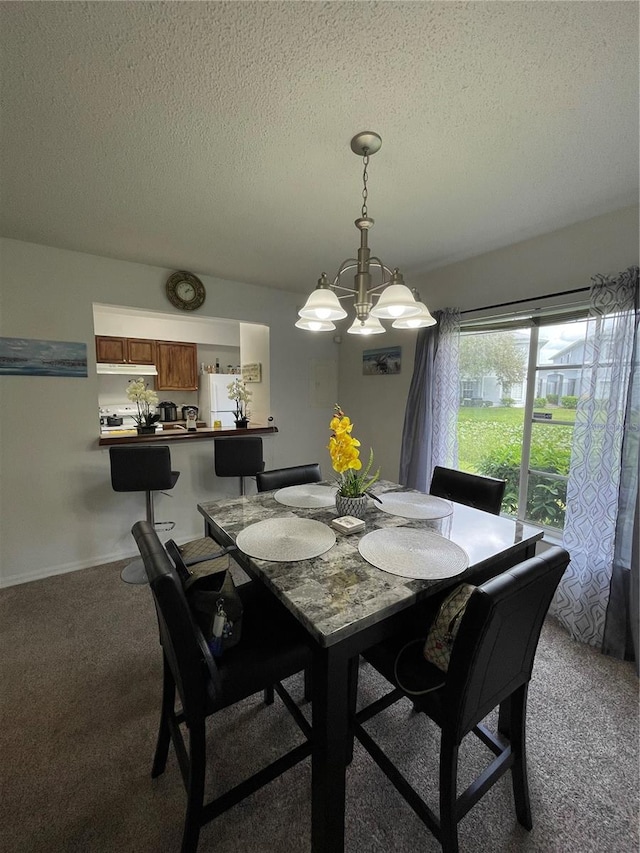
(474,490)
(142,468)
(238,457)
(490,666)
(272,647)
(296,475)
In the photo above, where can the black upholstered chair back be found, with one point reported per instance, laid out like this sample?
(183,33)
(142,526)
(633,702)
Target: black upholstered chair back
(185,650)
(474,490)
(238,457)
(496,643)
(143,468)
(296,475)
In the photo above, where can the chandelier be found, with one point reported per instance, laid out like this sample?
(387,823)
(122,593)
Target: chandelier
(394,299)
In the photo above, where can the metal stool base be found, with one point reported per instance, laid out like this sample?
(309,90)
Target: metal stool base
(134,572)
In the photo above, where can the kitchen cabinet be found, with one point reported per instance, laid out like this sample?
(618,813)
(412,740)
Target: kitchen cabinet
(125,350)
(177,365)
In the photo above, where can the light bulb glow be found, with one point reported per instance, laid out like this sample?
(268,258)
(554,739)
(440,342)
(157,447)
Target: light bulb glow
(420,321)
(323,305)
(371,326)
(395,301)
(310,325)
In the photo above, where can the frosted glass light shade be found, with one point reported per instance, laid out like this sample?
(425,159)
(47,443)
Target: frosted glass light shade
(395,301)
(322,304)
(315,325)
(418,321)
(371,326)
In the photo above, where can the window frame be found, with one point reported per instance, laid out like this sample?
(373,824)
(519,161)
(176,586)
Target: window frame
(550,317)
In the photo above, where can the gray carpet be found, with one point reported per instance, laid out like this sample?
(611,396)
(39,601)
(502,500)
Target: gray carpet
(80,671)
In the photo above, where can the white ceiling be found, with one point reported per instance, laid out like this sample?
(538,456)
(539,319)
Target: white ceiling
(214,137)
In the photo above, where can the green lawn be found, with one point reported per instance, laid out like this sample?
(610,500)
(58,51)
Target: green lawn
(482,431)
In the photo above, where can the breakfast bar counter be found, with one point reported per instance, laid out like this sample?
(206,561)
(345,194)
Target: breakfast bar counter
(178,434)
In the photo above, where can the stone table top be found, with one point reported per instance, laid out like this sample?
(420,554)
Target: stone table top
(338,593)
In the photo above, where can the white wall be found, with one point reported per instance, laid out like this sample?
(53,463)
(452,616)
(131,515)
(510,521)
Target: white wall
(254,346)
(563,260)
(57,509)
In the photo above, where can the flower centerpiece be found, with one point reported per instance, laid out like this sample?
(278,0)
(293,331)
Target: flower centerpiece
(241,396)
(353,482)
(144,398)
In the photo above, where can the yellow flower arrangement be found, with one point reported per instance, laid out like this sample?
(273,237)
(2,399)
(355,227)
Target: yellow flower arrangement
(345,458)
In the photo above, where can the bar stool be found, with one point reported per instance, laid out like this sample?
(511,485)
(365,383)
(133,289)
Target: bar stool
(238,457)
(144,468)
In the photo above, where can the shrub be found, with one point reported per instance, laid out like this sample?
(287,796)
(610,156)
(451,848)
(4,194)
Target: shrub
(507,401)
(551,453)
(540,402)
(569,402)
(553,399)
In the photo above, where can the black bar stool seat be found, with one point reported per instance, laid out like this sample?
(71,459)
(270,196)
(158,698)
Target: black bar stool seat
(238,457)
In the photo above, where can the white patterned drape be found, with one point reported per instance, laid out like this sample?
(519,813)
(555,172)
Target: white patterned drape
(593,487)
(429,434)
(446,397)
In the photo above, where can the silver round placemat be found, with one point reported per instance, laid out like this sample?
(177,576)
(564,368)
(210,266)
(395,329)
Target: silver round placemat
(413,553)
(306,496)
(285,539)
(414,505)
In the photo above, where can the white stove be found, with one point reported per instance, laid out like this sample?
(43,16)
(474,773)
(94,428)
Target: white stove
(128,420)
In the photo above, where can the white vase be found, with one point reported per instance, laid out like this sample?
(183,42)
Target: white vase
(357,507)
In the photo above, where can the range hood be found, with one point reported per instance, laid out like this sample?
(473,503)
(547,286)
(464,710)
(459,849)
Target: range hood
(127,369)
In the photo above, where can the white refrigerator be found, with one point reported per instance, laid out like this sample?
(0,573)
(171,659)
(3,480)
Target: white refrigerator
(213,401)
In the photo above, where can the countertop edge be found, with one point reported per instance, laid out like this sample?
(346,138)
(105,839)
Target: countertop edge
(178,435)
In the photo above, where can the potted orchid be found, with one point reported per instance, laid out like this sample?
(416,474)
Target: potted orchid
(144,398)
(241,396)
(353,482)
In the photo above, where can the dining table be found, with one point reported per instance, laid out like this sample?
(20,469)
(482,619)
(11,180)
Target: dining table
(348,602)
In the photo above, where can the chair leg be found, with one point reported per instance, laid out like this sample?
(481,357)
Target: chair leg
(164,733)
(268,695)
(518,746)
(195,788)
(448,794)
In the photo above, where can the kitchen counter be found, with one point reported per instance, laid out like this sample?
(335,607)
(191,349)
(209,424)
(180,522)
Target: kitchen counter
(171,434)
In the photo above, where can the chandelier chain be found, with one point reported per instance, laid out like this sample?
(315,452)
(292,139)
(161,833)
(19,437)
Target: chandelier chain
(365,178)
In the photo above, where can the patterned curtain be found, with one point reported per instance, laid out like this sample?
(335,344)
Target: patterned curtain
(429,435)
(593,488)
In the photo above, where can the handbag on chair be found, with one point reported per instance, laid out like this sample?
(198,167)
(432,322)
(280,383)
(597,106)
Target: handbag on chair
(212,596)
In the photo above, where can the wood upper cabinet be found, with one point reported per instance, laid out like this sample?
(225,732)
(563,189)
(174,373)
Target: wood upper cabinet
(177,365)
(125,350)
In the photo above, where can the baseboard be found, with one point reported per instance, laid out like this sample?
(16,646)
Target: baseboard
(65,568)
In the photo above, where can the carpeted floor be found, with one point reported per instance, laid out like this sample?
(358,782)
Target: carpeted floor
(80,671)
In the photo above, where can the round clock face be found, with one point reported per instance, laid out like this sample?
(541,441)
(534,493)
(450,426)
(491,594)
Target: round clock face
(185,291)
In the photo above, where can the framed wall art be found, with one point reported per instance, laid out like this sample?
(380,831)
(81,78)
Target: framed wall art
(252,372)
(381,362)
(26,357)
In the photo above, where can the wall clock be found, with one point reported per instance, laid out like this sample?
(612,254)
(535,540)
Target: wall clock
(185,291)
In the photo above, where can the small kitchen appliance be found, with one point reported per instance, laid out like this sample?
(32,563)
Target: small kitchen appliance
(119,419)
(191,417)
(185,409)
(168,411)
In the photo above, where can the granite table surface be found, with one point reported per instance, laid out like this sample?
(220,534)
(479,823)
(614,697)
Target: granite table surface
(338,593)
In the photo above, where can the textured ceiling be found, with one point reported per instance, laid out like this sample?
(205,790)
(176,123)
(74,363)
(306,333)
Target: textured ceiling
(214,137)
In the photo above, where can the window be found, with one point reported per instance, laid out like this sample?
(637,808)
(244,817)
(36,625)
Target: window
(521,426)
